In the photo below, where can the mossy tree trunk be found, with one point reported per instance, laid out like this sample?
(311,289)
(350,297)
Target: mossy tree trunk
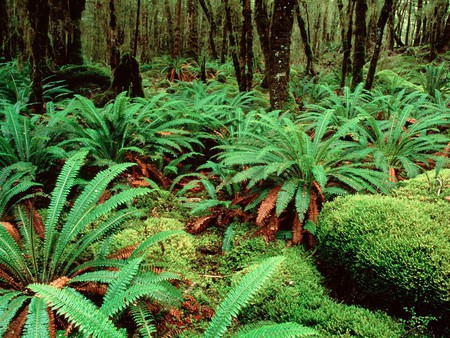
(263,27)
(192,33)
(347,42)
(75,55)
(40,45)
(384,15)
(280,48)
(207,10)
(359,52)
(177,38)
(306,42)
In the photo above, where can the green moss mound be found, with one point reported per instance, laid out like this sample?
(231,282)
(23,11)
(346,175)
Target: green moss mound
(396,250)
(297,294)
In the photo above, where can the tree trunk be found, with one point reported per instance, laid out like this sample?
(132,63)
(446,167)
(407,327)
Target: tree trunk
(169,25)
(359,52)
(347,43)
(246,48)
(75,54)
(223,54)
(437,26)
(391,30)
(384,15)
(136,30)
(306,42)
(192,38)
(279,59)
(418,22)
(114,56)
(59,17)
(40,44)
(444,44)
(4,31)
(212,25)
(177,38)
(263,28)
(408,24)
(232,40)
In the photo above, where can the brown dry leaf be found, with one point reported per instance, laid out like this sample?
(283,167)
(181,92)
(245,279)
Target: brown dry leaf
(60,282)
(12,230)
(16,326)
(200,224)
(267,205)
(124,253)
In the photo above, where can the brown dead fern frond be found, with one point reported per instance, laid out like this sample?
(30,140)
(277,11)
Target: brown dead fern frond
(16,326)
(267,205)
(12,230)
(34,215)
(94,288)
(9,280)
(297,231)
(51,323)
(200,224)
(123,253)
(60,282)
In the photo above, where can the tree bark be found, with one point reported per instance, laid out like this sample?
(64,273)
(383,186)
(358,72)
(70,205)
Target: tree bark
(384,15)
(347,43)
(263,28)
(306,42)
(177,39)
(169,25)
(136,30)
(192,38)
(212,25)
(444,44)
(75,54)
(418,22)
(40,45)
(232,40)
(4,31)
(114,55)
(246,48)
(408,24)
(59,18)
(359,52)
(279,60)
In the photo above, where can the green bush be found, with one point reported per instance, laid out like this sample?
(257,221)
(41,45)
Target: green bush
(296,294)
(396,250)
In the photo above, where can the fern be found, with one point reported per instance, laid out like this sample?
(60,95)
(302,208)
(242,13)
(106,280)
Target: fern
(37,323)
(116,289)
(160,236)
(78,310)
(240,296)
(7,315)
(143,318)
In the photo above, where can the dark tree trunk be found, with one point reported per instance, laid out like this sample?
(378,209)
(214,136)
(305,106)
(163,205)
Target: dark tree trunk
(59,17)
(223,54)
(347,43)
(40,45)
(340,7)
(212,25)
(169,25)
(75,54)
(4,34)
(127,77)
(263,28)
(359,52)
(136,29)
(306,42)
(390,29)
(192,38)
(437,23)
(419,15)
(114,56)
(279,60)
(384,15)
(177,38)
(444,44)
(408,24)
(246,48)
(232,40)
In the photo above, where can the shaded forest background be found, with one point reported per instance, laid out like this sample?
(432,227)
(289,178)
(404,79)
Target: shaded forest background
(254,34)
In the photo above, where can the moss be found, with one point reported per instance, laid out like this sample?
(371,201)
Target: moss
(396,250)
(297,294)
(176,254)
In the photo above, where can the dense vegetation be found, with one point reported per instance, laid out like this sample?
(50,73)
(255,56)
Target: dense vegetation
(198,196)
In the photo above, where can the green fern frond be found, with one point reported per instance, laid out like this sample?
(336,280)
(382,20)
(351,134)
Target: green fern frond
(78,310)
(117,288)
(11,256)
(9,313)
(302,200)
(160,236)
(239,297)
(162,292)
(283,330)
(151,277)
(64,183)
(286,194)
(99,263)
(143,319)
(37,323)
(102,276)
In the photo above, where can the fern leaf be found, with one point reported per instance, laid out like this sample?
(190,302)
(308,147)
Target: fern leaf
(11,255)
(267,205)
(78,310)
(8,314)
(160,236)
(285,195)
(302,199)
(117,288)
(240,296)
(103,276)
(59,196)
(37,323)
(283,330)
(143,318)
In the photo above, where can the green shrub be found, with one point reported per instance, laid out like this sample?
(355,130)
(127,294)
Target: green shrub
(395,250)
(296,294)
